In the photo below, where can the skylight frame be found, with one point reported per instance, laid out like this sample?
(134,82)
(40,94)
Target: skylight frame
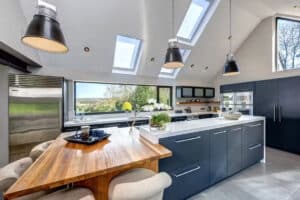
(185,54)
(135,57)
(205,16)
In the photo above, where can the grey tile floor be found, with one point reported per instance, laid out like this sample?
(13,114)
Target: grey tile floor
(277,179)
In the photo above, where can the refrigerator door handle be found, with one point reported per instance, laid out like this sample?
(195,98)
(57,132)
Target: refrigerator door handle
(274,113)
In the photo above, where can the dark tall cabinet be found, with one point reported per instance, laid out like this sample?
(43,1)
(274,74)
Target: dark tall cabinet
(279,101)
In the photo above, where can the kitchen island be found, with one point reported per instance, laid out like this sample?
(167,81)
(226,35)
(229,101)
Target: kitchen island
(91,166)
(207,151)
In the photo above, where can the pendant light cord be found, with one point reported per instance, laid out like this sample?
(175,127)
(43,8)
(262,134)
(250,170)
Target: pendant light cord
(173,32)
(230,28)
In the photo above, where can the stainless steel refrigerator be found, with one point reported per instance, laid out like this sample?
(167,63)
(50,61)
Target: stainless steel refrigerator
(35,112)
(238,102)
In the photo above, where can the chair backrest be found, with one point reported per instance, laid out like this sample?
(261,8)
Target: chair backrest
(11,172)
(39,149)
(149,188)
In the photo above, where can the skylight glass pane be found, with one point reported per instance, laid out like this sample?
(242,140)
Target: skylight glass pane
(126,52)
(192,19)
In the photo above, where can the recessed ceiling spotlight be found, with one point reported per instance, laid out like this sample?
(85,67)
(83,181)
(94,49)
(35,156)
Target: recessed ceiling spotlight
(86,49)
(206,68)
(152,59)
(192,65)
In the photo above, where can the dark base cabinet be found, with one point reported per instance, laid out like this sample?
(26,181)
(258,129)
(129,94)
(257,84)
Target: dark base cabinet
(188,165)
(201,159)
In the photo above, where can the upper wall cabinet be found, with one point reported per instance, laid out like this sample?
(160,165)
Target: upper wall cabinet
(240,87)
(194,92)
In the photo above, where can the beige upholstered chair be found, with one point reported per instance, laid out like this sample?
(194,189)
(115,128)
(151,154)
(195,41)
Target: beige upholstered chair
(72,194)
(11,172)
(139,184)
(39,149)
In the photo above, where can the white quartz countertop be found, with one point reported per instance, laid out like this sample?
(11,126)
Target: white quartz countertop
(185,127)
(141,116)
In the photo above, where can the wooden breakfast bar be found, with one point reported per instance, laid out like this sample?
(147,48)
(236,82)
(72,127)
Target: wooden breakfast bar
(88,166)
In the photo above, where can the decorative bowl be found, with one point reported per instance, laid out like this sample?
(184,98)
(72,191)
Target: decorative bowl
(232,115)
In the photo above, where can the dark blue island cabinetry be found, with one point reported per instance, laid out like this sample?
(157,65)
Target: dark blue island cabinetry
(201,159)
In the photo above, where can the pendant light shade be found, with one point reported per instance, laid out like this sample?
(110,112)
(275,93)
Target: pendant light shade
(44,31)
(230,67)
(173,58)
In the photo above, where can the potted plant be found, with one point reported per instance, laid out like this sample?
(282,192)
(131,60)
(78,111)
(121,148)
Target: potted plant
(160,120)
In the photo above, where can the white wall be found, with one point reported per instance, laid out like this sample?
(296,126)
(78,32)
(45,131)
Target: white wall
(255,57)
(13,26)
(3,115)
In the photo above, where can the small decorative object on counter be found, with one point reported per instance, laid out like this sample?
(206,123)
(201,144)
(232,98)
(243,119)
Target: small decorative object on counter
(85,132)
(127,106)
(160,120)
(232,115)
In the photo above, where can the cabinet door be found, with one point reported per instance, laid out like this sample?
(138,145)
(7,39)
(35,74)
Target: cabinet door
(187,92)
(252,143)
(187,149)
(234,150)
(242,87)
(188,181)
(209,92)
(227,88)
(289,113)
(198,92)
(218,155)
(265,104)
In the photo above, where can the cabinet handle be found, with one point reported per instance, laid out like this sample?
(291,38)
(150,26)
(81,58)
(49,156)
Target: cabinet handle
(255,147)
(255,125)
(189,139)
(236,129)
(187,172)
(217,133)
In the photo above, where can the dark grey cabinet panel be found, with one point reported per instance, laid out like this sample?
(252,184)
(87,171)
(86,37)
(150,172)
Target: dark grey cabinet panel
(289,113)
(187,149)
(253,155)
(188,181)
(218,155)
(240,87)
(253,133)
(252,143)
(189,165)
(204,158)
(234,150)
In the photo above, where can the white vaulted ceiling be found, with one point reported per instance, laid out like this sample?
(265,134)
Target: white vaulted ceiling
(95,23)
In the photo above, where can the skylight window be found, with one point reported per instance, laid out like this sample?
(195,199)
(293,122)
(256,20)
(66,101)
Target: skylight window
(172,73)
(195,20)
(127,54)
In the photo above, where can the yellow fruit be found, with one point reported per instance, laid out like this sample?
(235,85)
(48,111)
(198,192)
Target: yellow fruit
(127,106)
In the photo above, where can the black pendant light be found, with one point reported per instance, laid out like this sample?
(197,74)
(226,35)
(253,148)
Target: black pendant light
(44,31)
(173,58)
(230,67)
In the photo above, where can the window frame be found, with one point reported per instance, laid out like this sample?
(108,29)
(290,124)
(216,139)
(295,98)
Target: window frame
(116,112)
(132,71)
(208,13)
(277,18)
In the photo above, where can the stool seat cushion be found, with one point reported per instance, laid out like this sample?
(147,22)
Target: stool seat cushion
(139,184)
(72,194)
(11,172)
(39,149)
